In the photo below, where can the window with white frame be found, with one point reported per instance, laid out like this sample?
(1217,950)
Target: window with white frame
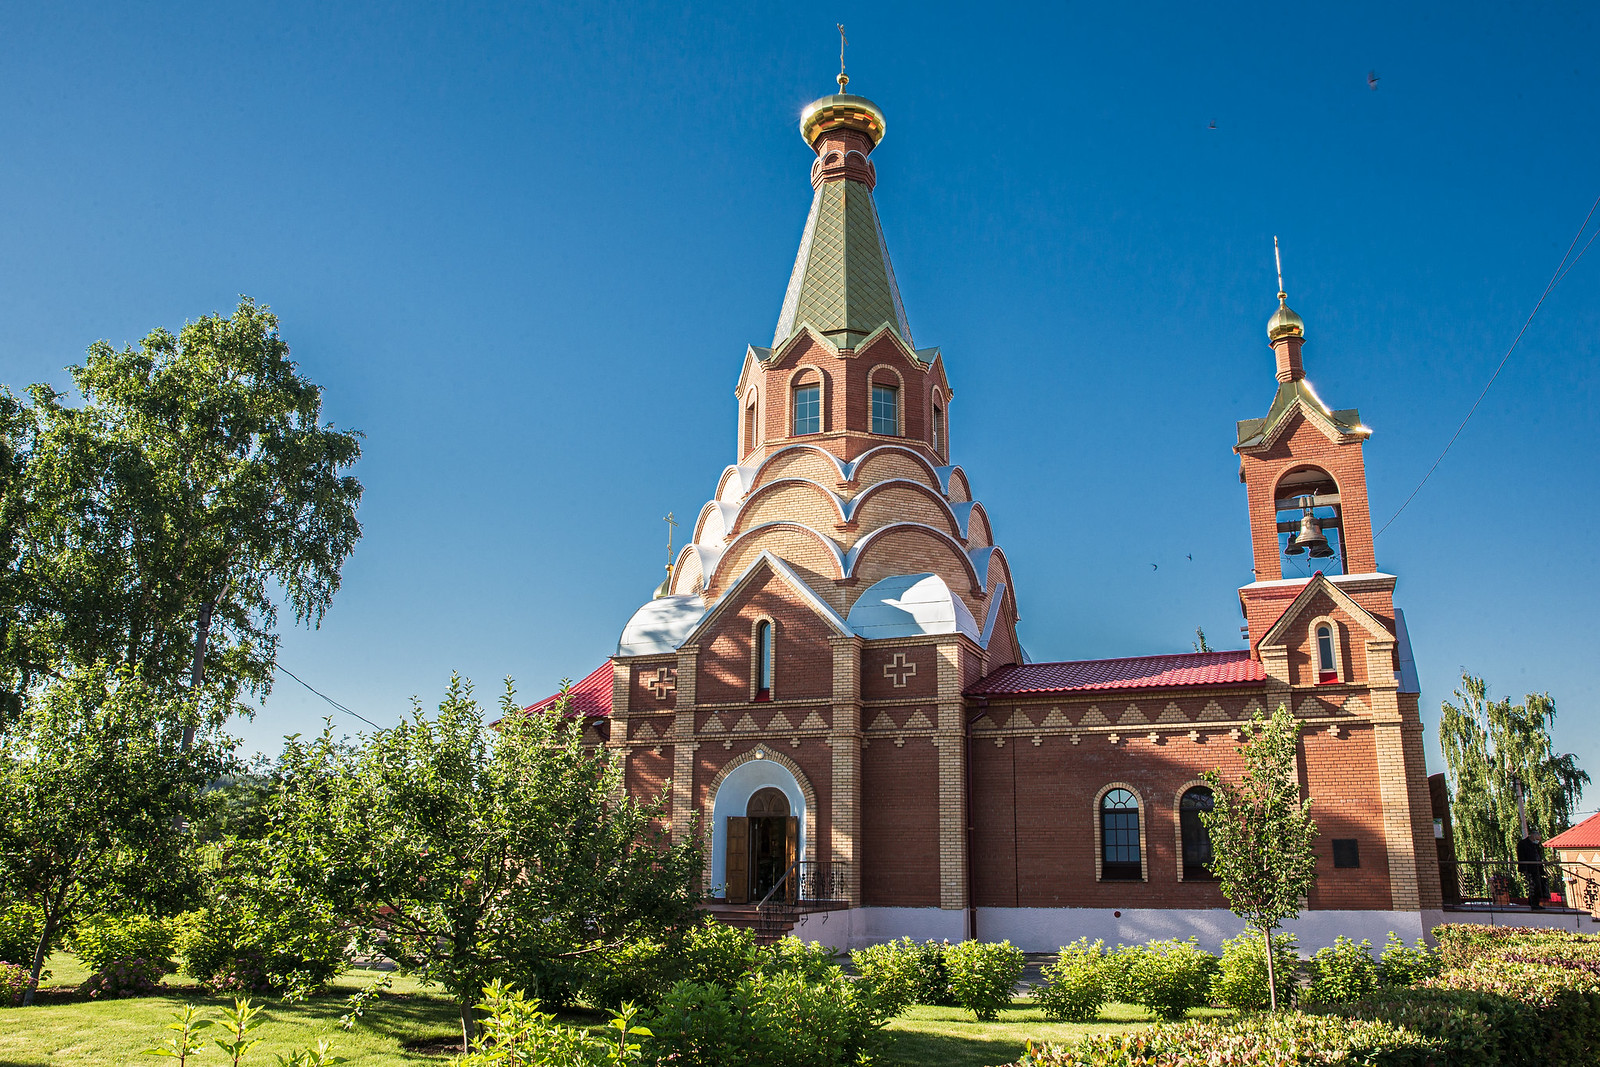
(1120,859)
(886,410)
(1327,661)
(807,408)
(763,660)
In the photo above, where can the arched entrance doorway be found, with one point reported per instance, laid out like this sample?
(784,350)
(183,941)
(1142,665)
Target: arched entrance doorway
(760,824)
(772,835)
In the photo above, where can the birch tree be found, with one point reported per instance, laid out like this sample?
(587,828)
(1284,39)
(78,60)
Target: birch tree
(159,523)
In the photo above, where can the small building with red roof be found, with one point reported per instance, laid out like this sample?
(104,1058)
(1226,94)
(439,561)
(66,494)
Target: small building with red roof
(1578,849)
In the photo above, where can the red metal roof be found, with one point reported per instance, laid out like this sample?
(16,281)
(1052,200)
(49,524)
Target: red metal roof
(1584,835)
(1140,672)
(591,697)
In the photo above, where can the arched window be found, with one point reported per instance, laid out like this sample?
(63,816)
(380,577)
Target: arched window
(764,660)
(750,424)
(1327,666)
(1196,838)
(938,428)
(1119,837)
(886,410)
(807,408)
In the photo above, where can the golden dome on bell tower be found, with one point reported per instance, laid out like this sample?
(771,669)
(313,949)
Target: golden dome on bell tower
(1284,322)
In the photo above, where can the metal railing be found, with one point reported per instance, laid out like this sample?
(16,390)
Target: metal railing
(1508,883)
(805,883)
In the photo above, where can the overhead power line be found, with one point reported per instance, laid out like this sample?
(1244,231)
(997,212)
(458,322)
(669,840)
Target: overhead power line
(1561,272)
(334,703)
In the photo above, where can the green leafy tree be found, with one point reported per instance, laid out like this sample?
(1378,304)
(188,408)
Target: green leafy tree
(1490,748)
(1262,833)
(94,783)
(473,852)
(159,523)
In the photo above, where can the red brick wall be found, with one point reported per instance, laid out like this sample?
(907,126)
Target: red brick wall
(900,824)
(1341,775)
(1035,822)
(875,685)
(802,667)
(647,772)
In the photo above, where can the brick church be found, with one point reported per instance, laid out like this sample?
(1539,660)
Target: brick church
(830,687)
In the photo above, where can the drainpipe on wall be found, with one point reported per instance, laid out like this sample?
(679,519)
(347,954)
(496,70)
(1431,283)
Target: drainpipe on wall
(966,770)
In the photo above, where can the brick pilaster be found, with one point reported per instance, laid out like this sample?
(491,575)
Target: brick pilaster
(683,743)
(950,735)
(845,739)
(617,744)
(1394,785)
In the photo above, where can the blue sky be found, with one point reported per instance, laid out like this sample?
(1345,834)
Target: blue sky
(523,247)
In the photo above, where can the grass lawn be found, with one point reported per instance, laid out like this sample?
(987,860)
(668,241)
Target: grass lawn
(62,1031)
(950,1038)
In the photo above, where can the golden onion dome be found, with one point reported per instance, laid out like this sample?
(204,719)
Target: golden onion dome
(841,111)
(1284,322)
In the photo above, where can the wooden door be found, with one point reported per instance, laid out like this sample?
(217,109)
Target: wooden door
(791,842)
(738,860)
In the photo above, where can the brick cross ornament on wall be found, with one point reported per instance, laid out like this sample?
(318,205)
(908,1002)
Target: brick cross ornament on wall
(898,670)
(665,681)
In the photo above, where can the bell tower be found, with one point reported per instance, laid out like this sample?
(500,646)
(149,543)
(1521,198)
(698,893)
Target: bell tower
(1304,475)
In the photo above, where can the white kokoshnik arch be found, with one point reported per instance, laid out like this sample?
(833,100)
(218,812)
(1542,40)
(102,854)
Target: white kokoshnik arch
(739,780)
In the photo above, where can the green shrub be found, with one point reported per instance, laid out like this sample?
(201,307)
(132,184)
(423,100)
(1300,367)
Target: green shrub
(983,976)
(1241,979)
(766,1020)
(1402,966)
(15,980)
(641,971)
(1462,943)
(125,978)
(1343,971)
(242,949)
(695,1026)
(1455,1024)
(20,927)
(905,972)
(814,962)
(1253,1041)
(1166,977)
(1074,986)
(104,939)
(638,972)
(515,1033)
(715,952)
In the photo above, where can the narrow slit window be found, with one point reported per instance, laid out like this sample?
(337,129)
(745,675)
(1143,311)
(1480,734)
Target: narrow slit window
(1196,838)
(764,661)
(1327,669)
(1119,837)
(886,410)
(938,429)
(807,409)
(750,426)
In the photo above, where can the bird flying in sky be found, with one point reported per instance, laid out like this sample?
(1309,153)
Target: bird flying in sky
(1372,79)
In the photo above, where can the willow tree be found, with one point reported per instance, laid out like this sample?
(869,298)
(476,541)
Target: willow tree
(158,523)
(1493,747)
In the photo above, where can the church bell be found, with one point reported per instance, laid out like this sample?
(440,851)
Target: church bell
(1309,538)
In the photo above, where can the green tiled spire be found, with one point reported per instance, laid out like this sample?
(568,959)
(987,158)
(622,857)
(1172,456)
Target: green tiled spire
(843,284)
